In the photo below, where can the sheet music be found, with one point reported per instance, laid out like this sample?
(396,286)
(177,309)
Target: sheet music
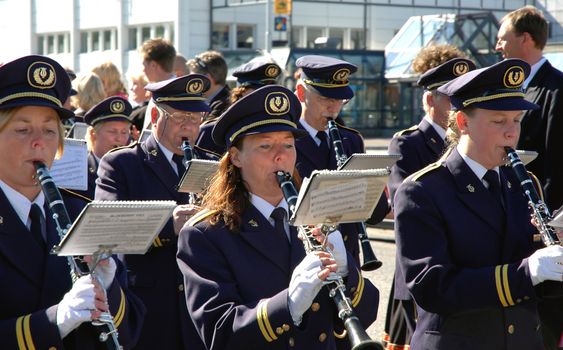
(197,176)
(71,170)
(361,161)
(526,156)
(127,227)
(339,196)
(557,220)
(79,130)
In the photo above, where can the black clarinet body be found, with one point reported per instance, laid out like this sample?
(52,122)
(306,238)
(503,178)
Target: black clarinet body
(539,209)
(370,261)
(78,268)
(355,332)
(188,156)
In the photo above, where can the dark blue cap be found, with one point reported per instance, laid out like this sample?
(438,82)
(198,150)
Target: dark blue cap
(447,71)
(258,72)
(267,109)
(327,75)
(498,87)
(34,81)
(184,93)
(113,108)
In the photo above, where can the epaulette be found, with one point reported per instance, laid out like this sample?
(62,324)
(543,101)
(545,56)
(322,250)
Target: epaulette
(406,131)
(74,194)
(340,126)
(131,145)
(208,151)
(415,176)
(537,185)
(199,217)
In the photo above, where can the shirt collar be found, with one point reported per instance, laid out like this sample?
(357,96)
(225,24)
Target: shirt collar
(477,168)
(312,131)
(20,203)
(167,153)
(266,208)
(441,132)
(534,69)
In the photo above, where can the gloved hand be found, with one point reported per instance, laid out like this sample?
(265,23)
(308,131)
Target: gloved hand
(304,286)
(106,272)
(546,264)
(339,253)
(76,306)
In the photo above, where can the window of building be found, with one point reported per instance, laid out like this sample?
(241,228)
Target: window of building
(336,38)
(50,44)
(220,36)
(132,39)
(98,40)
(95,41)
(40,43)
(145,34)
(140,34)
(159,31)
(313,33)
(108,42)
(357,41)
(245,36)
(83,42)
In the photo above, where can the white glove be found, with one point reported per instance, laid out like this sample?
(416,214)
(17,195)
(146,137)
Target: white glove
(546,264)
(304,286)
(76,306)
(339,253)
(106,272)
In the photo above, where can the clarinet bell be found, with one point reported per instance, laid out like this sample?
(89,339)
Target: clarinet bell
(358,337)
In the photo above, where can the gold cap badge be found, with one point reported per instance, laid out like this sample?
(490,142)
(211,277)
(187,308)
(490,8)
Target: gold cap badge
(460,68)
(513,77)
(41,75)
(272,71)
(117,106)
(341,75)
(194,86)
(276,103)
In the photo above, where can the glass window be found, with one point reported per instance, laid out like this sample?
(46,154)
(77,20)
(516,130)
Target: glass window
(159,31)
(107,40)
(145,34)
(40,45)
(95,41)
(245,37)
(60,43)
(312,34)
(133,39)
(356,39)
(50,44)
(336,38)
(83,42)
(296,36)
(220,36)
(171,38)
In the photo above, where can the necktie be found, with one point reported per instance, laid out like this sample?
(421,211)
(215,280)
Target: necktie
(36,218)
(179,161)
(278,215)
(324,150)
(492,179)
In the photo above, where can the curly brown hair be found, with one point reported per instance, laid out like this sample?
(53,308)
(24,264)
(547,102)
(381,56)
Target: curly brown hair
(435,55)
(238,92)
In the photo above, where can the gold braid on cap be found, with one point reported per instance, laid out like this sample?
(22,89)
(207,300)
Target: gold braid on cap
(492,97)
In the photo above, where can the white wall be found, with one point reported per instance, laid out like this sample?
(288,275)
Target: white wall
(15,29)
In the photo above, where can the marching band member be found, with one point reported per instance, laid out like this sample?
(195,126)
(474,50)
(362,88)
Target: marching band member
(110,127)
(41,308)
(151,170)
(248,279)
(464,237)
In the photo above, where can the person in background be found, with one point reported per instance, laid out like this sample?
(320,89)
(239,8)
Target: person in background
(180,66)
(89,92)
(242,238)
(43,306)
(111,78)
(463,221)
(419,146)
(214,67)
(109,127)
(259,72)
(139,99)
(151,170)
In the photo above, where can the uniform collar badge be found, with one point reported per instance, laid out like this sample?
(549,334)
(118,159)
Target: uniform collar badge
(253,223)
(153,153)
(470,188)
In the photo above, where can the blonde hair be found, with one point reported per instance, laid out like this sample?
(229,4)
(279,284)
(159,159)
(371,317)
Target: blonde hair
(89,91)
(111,78)
(6,116)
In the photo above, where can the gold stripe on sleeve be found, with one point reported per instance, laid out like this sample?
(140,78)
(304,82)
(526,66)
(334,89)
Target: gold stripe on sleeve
(498,283)
(27,333)
(19,333)
(506,286)
(261,322)
(118,318)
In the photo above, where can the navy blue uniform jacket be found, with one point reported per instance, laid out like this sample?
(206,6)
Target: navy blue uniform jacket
(418,147)
(34,282)
(464,260)
(237,288)
(141,172)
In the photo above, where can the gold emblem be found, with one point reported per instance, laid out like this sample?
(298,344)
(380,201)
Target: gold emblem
(272,71)
(253,223)
(195,86)
(41,75)
(153,152)
(460,68)
(277,103)
(117,106)
(508,184)
(341,75)
(470,188)
(433,140)
(513,77)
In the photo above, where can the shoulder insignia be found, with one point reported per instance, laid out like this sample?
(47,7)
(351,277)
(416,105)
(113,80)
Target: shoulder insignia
(406,131)
(537,185)
(74,194)
(199,217)
(208,151)
(415,176)
(131,145)
(340,126)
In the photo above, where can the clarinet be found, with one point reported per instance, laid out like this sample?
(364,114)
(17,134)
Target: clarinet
(78,268)
(188,156)
(357,336)
(539,209)
(370,261)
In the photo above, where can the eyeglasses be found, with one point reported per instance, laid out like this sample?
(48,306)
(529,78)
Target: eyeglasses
(183,117)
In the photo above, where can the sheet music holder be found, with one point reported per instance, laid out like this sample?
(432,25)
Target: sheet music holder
(364,161)
(557,221)
(526,156)
(339,196)
(197,175)
(78,131)
(122,227)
